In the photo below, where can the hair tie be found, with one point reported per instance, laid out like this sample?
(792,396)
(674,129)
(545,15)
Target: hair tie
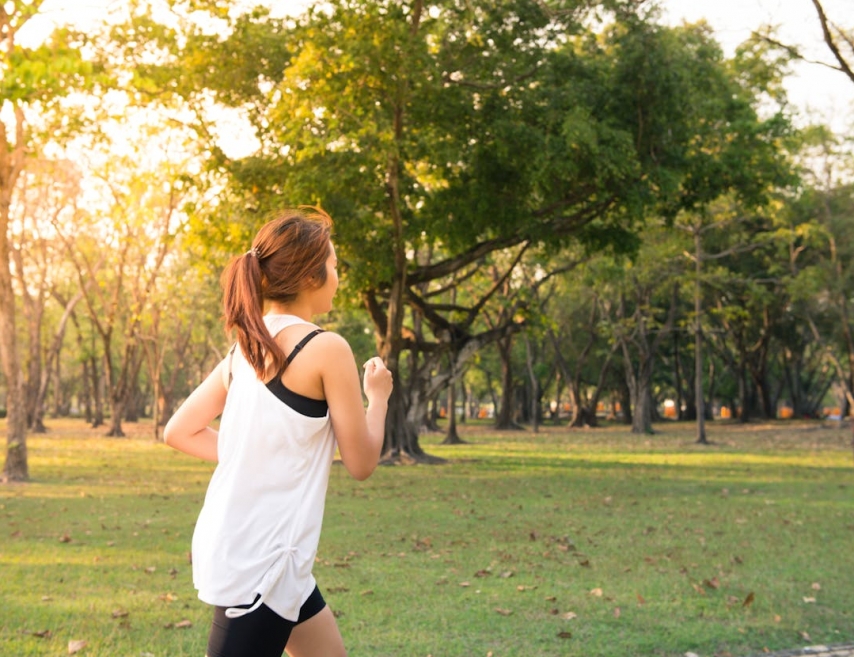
(254,252)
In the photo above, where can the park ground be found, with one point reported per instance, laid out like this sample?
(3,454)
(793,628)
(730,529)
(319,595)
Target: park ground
(593,543)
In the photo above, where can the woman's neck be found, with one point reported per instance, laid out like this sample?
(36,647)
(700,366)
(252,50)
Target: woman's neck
(296,309)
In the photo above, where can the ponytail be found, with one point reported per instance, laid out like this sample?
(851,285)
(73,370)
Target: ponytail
(243,307)
(288,254)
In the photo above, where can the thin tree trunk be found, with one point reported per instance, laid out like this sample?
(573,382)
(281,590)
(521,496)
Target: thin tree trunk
(11,164)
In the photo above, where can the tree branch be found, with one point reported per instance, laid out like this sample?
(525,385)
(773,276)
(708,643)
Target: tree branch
(845,67)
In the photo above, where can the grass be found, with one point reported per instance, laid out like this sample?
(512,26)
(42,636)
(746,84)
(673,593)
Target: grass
(588,543)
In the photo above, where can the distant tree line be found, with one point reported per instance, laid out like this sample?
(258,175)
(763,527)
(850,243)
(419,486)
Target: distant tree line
(538,205)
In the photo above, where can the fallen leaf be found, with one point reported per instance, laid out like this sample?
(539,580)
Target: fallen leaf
(46,598)
(617,612)
(564,635)
(748,600)
(65,538)
(464,584)
(777,618)
(808,599)
(641,599)
(506,574)
(482,573)
(699,589)
(805,636)
(597,592)
(503,612)
(585,563)
(120,613)
(570,615)
(168,597)
(816,586)
(44,634)
(151,569)
(550,598)
(712,583)
(183,625)
(76,645)
(367,592)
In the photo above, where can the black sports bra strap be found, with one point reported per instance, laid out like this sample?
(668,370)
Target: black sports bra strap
(302,343)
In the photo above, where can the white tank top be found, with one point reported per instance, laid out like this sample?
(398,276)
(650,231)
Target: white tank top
(258,531)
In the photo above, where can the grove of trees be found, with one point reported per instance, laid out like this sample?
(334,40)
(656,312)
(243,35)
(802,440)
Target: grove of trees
(537,203)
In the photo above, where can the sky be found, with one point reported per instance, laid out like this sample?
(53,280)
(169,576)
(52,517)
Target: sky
(818,92)
(813,89)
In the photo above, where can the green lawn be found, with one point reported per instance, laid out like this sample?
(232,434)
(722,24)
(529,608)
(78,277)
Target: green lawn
(588,543)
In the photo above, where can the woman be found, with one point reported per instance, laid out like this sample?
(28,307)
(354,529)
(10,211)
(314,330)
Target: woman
(288,392)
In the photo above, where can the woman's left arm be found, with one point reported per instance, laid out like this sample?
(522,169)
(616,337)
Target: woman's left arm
(189,430)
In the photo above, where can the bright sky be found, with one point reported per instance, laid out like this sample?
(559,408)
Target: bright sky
(812,88)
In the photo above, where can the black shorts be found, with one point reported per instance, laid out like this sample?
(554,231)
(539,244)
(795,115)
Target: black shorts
(262,633)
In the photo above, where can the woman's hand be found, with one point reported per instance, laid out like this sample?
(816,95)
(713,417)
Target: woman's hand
(377,381)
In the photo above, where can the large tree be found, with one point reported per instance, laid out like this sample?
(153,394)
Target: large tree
(33,82)
(440,133)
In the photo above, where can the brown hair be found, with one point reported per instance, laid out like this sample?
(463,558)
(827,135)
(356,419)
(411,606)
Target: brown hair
(286,253)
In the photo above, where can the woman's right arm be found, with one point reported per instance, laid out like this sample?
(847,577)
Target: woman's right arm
(189,430)
(359,432)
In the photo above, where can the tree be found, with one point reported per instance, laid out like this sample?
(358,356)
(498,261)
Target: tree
(46,189)
(32,83)
(468,130)
(118,255)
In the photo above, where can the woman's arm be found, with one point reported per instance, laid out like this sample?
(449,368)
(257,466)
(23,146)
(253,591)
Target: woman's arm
(188,430)
(358,431)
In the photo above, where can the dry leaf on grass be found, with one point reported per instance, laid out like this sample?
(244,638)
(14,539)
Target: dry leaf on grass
(76,645)
(180,625)
(597,592)
(564,635)
(503,612)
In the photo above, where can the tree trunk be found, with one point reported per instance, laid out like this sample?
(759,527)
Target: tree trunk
(16,467)
(452,437)
(642,415)
(698,339)
(504,417)
(117,410)
(12,157)
(677,376)
(97,387)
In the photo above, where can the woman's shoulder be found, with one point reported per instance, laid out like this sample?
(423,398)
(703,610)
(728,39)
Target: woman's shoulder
(330,340)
